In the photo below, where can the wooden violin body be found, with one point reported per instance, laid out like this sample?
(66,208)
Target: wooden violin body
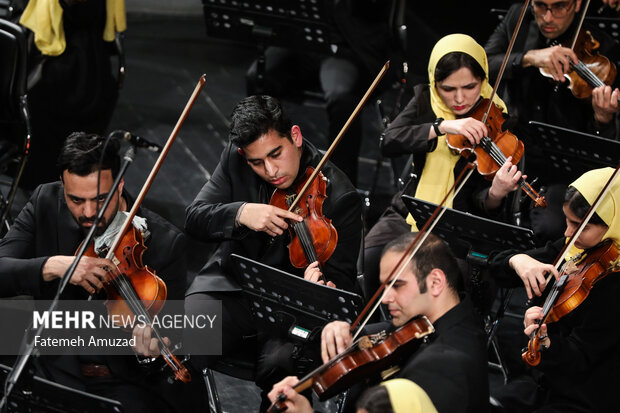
(371,355)
(593,69)
(315,238)
(506,142)
(150,289)
(494,149)
(137,291)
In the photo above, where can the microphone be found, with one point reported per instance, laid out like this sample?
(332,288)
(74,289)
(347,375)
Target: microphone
(135,140)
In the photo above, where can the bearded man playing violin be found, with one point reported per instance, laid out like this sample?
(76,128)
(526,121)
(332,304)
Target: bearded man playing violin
(578,370)
(451,364)
(39,248)
(266,152)
(543,43)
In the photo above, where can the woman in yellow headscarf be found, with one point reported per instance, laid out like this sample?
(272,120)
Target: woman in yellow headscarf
(580,361)
(458,79)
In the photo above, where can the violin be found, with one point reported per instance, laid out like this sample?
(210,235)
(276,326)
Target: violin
(314,238)
(376,352)
(137,291)
(494,149)
(577,278)
(592,69)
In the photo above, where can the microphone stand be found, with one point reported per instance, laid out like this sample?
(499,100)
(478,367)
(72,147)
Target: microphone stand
(21,362)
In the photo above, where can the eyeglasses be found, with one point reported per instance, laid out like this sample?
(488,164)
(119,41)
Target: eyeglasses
(558,9)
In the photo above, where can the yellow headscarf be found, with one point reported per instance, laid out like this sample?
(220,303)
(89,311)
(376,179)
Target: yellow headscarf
(408,397)
(590,184)
(44,18)
(438,174)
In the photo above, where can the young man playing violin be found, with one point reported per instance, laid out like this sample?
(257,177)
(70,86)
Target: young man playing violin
(543,43)
(266,152)
(579,358)
(451,364)
(39,248)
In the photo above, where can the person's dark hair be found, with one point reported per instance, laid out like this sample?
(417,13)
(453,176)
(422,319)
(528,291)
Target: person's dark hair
(256,115)
(434,253)
(81,154)
(375,399)
(579,205)
(452,62)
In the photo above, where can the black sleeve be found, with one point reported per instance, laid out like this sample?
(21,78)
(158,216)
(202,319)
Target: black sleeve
(211,216)
(498,42)
(506,276)
(408,132)
(20,271)
(341,268)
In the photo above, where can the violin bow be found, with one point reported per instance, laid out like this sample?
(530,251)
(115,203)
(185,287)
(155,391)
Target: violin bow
(344,129)
(502,68)
(134,302)
(158,163)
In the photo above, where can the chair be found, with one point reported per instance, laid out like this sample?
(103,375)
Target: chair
(15,130)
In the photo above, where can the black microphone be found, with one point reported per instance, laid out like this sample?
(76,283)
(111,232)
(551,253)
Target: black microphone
(135,140)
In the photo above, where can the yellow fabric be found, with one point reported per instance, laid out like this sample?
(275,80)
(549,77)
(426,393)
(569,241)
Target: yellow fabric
(438,174)
(116,19)
(408,397)
(44,18)
(590,185)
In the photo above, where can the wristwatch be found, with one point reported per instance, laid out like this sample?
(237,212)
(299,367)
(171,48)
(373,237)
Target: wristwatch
(436,126)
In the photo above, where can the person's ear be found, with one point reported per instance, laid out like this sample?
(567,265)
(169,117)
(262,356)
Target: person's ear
(296,136)
(436,282)
(240,152)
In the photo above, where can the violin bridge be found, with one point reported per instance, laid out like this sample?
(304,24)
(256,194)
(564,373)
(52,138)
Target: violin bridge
(289,198)
(614,265)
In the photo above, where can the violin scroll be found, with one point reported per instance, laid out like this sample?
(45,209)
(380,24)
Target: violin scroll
(531,356)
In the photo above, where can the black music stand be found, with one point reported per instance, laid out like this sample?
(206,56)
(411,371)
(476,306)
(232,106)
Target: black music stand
(473,238)
(283,303)
(572,153)
(43,396)
(297,24)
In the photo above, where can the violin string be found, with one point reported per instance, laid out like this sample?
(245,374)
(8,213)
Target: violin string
(585,73)
(126,290)
(306,241)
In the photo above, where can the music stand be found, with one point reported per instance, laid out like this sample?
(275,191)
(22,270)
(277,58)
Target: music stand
(43,396)
(473,238)
(571,153)
(284,303)
(298,24)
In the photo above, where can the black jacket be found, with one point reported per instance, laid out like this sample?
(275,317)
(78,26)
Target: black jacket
(451,364)
(211,217)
